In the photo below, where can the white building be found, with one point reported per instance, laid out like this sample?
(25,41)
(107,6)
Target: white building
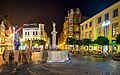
(34,31)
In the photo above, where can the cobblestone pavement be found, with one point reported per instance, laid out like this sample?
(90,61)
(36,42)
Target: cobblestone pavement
(82,65)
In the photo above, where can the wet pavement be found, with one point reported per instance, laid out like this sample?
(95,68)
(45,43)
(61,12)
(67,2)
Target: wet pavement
(81,65)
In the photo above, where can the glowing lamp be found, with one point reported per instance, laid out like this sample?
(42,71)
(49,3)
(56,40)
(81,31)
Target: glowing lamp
(106,23)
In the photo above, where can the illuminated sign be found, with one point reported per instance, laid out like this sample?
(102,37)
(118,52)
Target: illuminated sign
(106,23)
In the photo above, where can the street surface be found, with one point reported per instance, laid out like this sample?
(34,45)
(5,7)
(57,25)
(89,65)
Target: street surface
(79,65)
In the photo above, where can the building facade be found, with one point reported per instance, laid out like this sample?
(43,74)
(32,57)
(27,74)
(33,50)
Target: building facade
(34,31)
(6,40)
(71,28)
(106,23)
(2,37)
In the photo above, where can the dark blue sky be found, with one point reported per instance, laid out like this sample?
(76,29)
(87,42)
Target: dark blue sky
(46,11)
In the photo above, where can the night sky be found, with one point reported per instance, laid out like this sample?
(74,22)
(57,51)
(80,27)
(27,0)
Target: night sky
(44,11)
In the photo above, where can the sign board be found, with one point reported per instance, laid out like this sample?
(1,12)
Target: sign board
(106,23)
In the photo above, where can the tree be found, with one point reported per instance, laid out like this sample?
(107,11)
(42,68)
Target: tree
(38,42)
(101,40)
(87,42)
(118,39)
(79,42)
(71,41)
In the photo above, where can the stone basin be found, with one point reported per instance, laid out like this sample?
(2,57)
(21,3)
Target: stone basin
(57,56)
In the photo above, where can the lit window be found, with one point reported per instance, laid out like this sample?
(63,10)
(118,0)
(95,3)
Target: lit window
(106,31)
(90,34)
(114,29)
(77,28)
(70,28)
(77,36)
(99,31)
(82,36)
(86,34)
(115,12)
(70,20)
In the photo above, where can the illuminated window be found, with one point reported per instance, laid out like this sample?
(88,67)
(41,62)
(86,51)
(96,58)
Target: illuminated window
(86,34)
(77,36)
(114,29)
(77,28)
(107,16)
(99,31)
(82,36)
(70,20)
(106,31)
(115,12)
(90,34)
(70,28)
(99,20)
(90,24)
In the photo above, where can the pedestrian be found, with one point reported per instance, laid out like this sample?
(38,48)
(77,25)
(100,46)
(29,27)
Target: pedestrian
(44,56)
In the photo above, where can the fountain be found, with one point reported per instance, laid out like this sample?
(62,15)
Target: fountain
(54,55)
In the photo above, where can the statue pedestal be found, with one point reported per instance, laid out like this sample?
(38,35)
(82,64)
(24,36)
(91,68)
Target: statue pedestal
(57,56)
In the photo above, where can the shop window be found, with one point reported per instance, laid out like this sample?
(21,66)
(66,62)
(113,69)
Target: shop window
(114,29)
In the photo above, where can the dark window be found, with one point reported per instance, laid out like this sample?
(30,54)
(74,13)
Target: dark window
(115,12)
(86,26)
(107,16)
(41,32)
(82,27)
(25,33)
(90,24)
(99,20)
(77,20)
(28,33)
(36,32)
(33,33)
